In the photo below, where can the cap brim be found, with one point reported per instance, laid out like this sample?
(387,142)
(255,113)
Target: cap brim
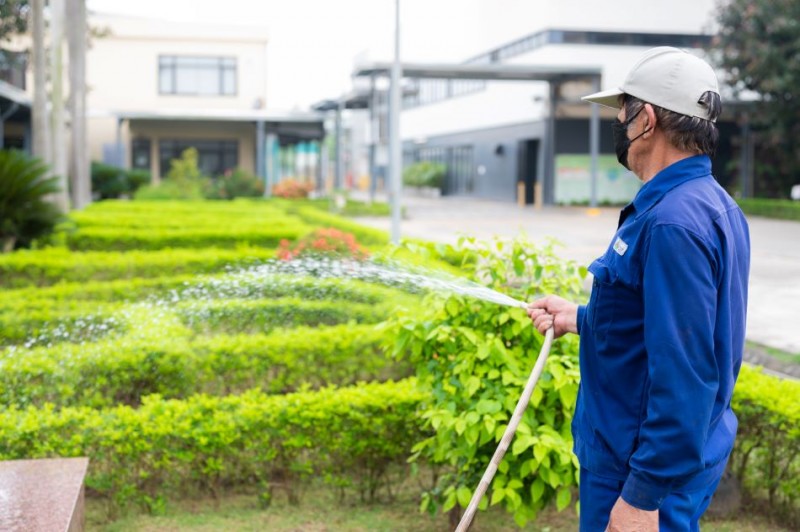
(608,98)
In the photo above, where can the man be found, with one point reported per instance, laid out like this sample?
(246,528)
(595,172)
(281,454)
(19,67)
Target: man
(663,332)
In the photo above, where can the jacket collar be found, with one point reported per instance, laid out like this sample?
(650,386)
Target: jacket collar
(669,178)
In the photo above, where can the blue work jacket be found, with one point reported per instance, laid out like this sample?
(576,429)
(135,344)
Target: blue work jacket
(662,338)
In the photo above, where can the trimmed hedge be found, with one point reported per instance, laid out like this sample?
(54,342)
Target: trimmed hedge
(118,371)
(767,454)
(771,208)
(316,217)
(114,239)
(255,316)
(50,266)
(52,323)
(174,448)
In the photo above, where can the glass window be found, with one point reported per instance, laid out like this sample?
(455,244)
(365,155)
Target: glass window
(214,157)
(140,153)
(197,76)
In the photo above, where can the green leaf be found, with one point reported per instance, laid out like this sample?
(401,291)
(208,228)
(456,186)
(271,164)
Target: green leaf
(498,494)
(449,502)
(563,498)
(537,489)
(464,495)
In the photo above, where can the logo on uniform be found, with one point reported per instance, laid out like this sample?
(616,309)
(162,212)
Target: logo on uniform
(620,246)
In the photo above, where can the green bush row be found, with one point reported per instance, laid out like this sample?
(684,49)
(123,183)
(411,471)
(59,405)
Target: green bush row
(316,217)
(767,453)
(174,448)
(54,265)
(125,219)
(112,182)
(771,208)
(238,316)
(80,321)
(167,362)
(97,238)
(247,283)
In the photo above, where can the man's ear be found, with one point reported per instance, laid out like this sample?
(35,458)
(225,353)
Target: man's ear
(650,120)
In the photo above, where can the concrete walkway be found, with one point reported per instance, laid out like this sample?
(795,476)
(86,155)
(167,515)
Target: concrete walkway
(774,302)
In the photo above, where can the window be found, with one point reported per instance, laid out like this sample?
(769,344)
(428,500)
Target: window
(214,157)
(140,153)
(197,76)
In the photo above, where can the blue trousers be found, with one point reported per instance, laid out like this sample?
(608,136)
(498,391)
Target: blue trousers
(680,512)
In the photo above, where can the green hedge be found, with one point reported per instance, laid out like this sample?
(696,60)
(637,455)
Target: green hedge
(117,371)
(767,453)
(50,266)
(115,239)
(50,322)
(316,217)
(256,316)
(771,208)
(174,448)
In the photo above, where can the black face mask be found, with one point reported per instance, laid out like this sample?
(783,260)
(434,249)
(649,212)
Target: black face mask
(621,141)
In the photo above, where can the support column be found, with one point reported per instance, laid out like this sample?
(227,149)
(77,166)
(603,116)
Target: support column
(594,144)
(118,148)
(744,154)
(270,162)
(395,153)
(260,140)
(550,148)
(373,145)
(339,176)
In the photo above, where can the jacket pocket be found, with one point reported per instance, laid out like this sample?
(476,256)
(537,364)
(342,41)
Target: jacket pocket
(602,302)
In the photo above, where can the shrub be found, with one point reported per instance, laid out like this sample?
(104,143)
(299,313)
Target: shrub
(766,457)
(168,362)
(313,216)
(473,359)
(25,212)
(327,242)
(56,265)
(771,208)
(112,182)
(173,448)
(236,184)
(291,189)
(424,174)
(184,181)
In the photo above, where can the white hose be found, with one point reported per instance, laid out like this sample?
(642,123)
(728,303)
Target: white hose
(508,435)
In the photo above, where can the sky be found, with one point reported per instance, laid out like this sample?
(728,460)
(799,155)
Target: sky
(313,43)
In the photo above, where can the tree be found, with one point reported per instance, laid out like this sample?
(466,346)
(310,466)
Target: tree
(758,45)
(25,215)
(13,18)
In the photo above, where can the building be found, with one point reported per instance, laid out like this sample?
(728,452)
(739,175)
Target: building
(158,87)
(503,139)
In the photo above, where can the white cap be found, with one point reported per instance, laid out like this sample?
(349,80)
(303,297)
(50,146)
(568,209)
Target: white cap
(667,77)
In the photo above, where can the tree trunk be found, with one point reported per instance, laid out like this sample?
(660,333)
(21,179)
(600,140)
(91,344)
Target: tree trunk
(58,133)
(8,243)
(80,181)
(41,119)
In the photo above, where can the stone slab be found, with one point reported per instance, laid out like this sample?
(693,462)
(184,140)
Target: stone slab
(42,495)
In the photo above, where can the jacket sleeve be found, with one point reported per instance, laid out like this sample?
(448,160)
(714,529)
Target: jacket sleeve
(680,300)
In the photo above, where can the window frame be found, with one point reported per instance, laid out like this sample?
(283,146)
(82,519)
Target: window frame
(170,63)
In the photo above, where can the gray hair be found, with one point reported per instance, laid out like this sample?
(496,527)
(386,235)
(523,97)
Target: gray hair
(687,133)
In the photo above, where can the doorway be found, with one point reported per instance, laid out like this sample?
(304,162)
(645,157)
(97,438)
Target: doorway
(528,163)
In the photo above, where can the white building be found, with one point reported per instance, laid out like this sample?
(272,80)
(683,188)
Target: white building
(494,135)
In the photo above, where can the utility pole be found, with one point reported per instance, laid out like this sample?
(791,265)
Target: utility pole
(395,154)
(58,133)
(80,181)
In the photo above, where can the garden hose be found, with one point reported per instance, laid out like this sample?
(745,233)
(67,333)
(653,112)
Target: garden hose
(508,435)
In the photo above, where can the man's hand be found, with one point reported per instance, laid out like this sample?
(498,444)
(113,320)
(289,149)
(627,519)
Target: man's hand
(626,518)
(556,312)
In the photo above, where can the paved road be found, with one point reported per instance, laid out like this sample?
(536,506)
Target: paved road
(774,303)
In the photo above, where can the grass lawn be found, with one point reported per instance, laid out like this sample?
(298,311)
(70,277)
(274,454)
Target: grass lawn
(320,511)
(785,356)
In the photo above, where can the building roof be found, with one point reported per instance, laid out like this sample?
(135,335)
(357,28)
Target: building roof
(498,72)
(216,115)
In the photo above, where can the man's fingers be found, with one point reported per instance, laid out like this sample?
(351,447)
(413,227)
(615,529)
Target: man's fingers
(538,303)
